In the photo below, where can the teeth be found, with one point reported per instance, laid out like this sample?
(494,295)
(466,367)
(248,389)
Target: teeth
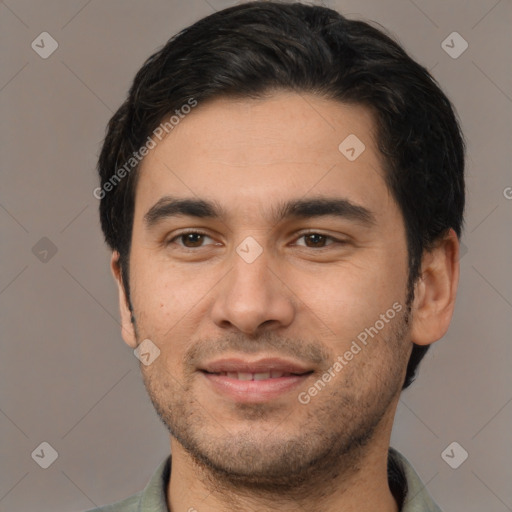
(262,376)
(255,376)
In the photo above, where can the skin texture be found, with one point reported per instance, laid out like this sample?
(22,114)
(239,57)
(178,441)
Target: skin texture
(303,298)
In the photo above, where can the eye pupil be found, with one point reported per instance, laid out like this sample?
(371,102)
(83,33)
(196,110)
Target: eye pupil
(194,238)
(316,239)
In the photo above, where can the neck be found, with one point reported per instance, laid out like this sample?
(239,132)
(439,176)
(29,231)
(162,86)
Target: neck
(358,483)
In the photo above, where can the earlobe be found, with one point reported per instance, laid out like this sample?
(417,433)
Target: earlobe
(435,291)
(127,326)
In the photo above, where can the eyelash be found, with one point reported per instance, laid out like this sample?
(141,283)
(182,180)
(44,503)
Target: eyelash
(196,232)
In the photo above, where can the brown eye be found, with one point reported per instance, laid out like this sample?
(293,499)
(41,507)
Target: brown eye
(189,240)
(315,240)
(318,241)
(192,239)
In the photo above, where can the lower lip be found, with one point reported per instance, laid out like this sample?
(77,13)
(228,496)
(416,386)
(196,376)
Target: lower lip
(254,391)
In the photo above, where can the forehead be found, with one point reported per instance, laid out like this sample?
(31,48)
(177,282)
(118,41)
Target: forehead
(247,154)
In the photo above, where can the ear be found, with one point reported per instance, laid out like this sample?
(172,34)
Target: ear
(435,291)
(127,326)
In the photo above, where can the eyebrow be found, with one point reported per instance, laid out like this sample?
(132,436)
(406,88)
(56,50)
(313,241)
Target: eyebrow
(168,207)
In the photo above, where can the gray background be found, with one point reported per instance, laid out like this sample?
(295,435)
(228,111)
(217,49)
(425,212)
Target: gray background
(68,379)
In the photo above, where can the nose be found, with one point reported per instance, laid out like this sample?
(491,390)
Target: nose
(252,297)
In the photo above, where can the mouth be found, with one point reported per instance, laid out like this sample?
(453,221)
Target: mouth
(254,382)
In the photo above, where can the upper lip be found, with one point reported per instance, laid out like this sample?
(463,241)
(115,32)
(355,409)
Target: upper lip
(234,364)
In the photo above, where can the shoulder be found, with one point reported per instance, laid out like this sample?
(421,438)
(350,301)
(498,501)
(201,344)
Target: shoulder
(415,495)
(153,497)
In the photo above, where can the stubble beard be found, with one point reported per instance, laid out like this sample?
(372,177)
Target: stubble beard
(329,442)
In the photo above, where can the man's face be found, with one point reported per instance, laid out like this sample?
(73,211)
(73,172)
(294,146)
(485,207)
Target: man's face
(253,292)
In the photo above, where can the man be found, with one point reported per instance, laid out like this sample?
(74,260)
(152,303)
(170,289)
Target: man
(283,194)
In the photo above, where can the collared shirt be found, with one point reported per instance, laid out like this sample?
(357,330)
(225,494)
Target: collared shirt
(404,483)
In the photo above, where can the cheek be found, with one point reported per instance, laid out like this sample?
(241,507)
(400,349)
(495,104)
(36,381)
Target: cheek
(163,293)
(168,304)
(350,298)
